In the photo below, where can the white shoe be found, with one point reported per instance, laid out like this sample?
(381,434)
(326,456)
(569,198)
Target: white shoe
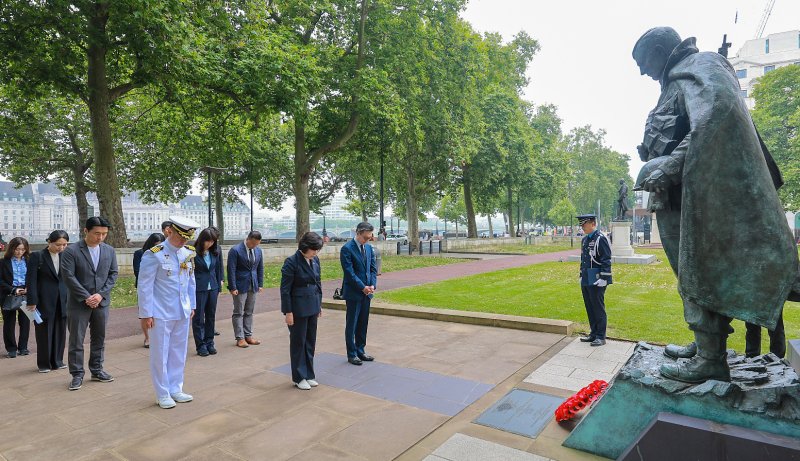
(166,402)
(312,383)
(303,385)
(181,397)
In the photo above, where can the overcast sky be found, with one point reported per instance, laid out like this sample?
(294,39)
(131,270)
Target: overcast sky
(585,67)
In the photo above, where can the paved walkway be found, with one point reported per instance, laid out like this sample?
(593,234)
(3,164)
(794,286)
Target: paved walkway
(419,400)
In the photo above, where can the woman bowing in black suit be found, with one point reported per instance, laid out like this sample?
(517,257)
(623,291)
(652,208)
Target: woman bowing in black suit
(48,293)
(208,276)
(301,304)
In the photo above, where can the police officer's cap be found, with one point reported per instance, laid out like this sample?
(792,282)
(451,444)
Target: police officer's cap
(586,218)
(184,226)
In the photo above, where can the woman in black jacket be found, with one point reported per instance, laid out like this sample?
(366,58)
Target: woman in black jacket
(13,268)
(48,293)
(154,239)
(301,304)
(208,276)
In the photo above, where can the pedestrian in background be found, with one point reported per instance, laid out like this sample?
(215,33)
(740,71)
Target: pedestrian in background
(47,293)
(301,305)
(13,269)
(154,239)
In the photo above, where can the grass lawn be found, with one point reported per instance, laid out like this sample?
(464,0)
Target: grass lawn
(124,294)
(642,304)
(527,249)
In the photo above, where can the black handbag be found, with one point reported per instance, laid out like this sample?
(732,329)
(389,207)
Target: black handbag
(337,294)
(13,302)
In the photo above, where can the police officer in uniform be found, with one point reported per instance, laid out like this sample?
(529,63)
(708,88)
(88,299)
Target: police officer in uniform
(595,275)
(166,293)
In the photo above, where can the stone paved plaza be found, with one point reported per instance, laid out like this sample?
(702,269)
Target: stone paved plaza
(418,401)
(245,407)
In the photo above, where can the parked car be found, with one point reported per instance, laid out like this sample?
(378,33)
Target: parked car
(396,237)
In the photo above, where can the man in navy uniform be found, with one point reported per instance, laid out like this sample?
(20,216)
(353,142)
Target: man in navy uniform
(167,302)
(595,275)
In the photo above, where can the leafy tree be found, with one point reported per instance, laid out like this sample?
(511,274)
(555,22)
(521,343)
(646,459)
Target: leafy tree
(562,213)
(95,52)
(46,140)
(777,116)
(596,170)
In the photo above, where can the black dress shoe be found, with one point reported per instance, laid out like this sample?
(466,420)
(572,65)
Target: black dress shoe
(366,358)
(598,342)
(354,360)
(24,352)
(202,352)
(587,339)
(76,383)
(11,354)
(61,366)
(216,333)
(212,350)
(103,377)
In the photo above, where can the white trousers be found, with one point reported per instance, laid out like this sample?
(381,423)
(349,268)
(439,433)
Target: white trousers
(168,344)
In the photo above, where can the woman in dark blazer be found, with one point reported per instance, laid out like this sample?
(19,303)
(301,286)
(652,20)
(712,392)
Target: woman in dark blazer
(301,304)
(208,270)
(154,239)
(13,268)
(48,293)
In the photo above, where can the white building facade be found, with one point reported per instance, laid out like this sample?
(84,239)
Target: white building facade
(763,55)
(33,211)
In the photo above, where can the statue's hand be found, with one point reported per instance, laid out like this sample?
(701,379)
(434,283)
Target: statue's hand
(657,181)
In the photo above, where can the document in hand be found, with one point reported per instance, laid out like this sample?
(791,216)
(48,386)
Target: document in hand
(33,315)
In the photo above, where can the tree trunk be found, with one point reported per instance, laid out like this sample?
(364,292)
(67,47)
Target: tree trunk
(301,178)
(108,191)
(80,197)
(412,209)
(510,211)
(491,230)
(218,205)
(472,226)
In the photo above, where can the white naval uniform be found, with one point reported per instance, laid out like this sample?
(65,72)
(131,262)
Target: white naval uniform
(167,293)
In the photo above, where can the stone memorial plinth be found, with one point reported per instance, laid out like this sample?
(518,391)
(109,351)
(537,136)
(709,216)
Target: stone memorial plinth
(764,395)
(621,249)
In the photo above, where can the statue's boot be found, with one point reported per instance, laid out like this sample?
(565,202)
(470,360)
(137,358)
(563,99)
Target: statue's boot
(709,363)
(681,352)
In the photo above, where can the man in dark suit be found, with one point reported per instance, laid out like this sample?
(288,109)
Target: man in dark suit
(245,280)
(358,287)
(89,269)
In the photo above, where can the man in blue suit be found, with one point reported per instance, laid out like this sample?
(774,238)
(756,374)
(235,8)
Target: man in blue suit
(358,287)
(245,280)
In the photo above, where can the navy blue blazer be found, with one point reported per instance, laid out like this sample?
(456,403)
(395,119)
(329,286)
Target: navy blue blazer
(301,286)
(242,275)
(46,290)
(205,275)
(359,272)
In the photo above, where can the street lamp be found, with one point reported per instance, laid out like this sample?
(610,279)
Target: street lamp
(208,170)
(324,230)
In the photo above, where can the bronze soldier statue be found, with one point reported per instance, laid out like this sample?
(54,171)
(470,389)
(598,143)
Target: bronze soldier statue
(622,200)
(707,169)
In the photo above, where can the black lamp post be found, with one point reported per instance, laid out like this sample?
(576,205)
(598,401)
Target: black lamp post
(324,230)
(382,225)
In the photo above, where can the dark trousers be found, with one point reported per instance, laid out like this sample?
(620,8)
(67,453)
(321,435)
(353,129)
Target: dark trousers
(777,339)
(302,341)
(355,328)
(78,320)
(204,317)
(10,318)
(51,336)
(594,301)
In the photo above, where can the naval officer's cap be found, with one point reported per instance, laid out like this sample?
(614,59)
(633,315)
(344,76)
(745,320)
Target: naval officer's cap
(584,218)
(185,227)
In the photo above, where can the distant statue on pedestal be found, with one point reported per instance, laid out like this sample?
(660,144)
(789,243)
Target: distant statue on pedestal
(622,201)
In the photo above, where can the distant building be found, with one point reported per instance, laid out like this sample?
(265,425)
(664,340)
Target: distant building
(33,211)
(763,55)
